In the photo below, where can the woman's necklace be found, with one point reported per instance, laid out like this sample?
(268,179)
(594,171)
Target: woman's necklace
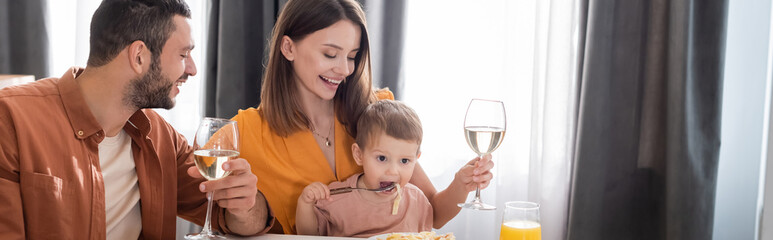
(326,137)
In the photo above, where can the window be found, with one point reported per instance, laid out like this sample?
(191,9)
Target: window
(522,52)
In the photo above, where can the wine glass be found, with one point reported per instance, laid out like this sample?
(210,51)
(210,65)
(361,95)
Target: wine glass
(521,221)
(484,128)
(216,142)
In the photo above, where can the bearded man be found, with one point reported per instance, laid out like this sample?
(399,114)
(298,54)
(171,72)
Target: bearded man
(82,156)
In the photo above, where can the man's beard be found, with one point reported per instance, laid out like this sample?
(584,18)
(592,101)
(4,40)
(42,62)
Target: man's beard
(150,90)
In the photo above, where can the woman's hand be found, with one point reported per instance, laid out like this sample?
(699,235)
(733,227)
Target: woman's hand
(237,191)
(315,191)
(477,172)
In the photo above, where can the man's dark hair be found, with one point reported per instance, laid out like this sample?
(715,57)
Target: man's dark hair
(118,23)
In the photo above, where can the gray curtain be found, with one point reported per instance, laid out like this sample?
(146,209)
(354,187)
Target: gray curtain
(23,38)
(236,47)
(386,32)
(237,33)
(236,50)
(649,120)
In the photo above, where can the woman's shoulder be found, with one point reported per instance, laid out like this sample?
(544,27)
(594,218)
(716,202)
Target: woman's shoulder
(384,93)
(248,115)
(251,120)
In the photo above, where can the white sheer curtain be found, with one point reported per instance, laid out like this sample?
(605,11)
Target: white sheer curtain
(523,52)
(69,23)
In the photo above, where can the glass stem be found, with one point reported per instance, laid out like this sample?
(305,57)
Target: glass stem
(477,195)
(477,187)
(207,229)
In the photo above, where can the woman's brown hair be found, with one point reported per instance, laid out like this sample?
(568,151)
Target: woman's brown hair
(280,105)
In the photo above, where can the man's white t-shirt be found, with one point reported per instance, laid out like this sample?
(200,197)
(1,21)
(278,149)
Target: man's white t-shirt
(122,191)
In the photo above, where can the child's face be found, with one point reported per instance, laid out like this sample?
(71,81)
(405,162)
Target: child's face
(386,160)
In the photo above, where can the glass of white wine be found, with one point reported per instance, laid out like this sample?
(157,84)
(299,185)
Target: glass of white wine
(216,142)
(484,128)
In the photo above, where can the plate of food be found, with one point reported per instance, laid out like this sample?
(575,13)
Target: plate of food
(414,236)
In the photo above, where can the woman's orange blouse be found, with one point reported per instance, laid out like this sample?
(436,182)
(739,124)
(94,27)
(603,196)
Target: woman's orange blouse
(286,165)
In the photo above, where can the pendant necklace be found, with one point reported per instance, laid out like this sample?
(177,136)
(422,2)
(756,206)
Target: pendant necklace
(326,137)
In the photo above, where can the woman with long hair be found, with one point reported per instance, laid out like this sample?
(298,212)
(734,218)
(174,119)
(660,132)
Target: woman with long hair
(316,85)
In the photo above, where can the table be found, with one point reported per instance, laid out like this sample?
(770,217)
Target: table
(288,237)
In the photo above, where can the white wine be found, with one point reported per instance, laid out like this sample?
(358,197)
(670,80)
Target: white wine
(483,139)
(210,162)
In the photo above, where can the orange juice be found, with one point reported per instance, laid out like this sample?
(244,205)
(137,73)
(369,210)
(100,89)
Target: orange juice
(520,230)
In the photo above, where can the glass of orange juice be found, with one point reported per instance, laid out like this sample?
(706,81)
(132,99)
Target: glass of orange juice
(521,222)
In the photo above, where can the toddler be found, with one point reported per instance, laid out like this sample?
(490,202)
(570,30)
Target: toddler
(387,144)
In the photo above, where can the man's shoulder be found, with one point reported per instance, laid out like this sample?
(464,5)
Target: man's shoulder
(42,94)
(40,88)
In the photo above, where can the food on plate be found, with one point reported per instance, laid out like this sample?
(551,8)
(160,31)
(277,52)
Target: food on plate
(419,236)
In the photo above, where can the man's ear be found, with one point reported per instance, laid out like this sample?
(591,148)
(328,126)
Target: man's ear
(357,154)
(418,155)
(288,48)
(139,56)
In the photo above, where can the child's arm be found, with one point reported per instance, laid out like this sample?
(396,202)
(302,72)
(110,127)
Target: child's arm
(305,220)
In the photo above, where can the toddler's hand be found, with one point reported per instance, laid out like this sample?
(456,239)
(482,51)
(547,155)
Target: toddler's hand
(315,191)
